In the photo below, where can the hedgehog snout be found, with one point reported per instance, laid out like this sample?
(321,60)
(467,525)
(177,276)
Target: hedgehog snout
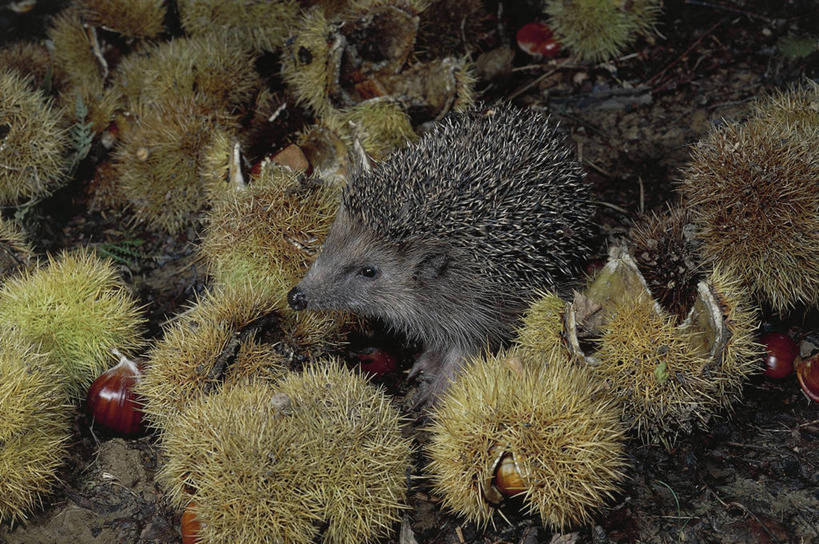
(297,298)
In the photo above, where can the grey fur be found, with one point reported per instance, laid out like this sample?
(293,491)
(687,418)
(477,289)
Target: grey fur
(462,227)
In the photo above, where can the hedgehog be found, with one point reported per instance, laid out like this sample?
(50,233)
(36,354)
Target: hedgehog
(447,240)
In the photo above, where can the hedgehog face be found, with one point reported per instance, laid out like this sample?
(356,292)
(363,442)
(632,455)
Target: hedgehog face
(356,272)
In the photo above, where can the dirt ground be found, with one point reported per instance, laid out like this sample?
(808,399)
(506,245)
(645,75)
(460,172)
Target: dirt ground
(752,477)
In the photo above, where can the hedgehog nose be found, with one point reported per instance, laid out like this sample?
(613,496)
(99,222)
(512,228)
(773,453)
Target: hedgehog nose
(297,299)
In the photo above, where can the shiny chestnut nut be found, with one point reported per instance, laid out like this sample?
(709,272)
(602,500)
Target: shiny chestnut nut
(807,371)
(112,402)
(537,40)
(190,525)
(781,351)
(508,478)
(376,361)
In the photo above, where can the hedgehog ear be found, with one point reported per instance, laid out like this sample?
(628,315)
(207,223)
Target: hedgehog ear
(431,266)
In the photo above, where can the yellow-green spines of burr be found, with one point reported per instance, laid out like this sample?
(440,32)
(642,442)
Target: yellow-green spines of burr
(160,159)
(214,70)
(32,60)
(76,309)
(542,328)
(651,368)
(182,365)
(353,440)
(465,80)
(379,126)
(34,426)
(33,142)
(741,354)
(132,18)
(307,66)
(82,74)
(74,58)
(797,107)
(268,234)
(15,251)
(263,238)
(318,453)
(666,251)
(556,420)
(598,30)
(266,25)
(753,191)
(245,466)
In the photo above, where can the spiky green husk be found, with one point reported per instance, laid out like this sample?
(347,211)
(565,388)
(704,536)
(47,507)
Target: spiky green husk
(666,252)
(32,60)
(183,365)
(77,309)
(598,30)
(133,18)
(465,80)
(380,126)
(263,239)
(214,70)
(15,251)
(542,328)
(268,234)
(160,159)
(34,426)
(353,438)
(651,368)
(216,164)
(74,58)
(265,25)
(80,72)
(32,141)
(797,107)
(329,456)
(363,6)
(740,358)
(307,67)
(245,465)
(753,191)
(552,416)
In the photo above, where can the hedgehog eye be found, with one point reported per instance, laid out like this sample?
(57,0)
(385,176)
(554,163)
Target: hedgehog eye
(369,272)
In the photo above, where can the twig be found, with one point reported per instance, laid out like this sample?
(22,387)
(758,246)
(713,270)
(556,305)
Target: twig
(685,53)
(612,206)
(744,509)
(531,84)
(732,9)
(642,195)
(97,51)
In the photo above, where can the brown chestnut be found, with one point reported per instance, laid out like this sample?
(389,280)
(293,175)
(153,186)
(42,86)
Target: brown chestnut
(190,525)
(508,478)
(112,402)
(807,371)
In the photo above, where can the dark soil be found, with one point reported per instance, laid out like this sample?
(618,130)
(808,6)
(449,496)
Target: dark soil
(752,477)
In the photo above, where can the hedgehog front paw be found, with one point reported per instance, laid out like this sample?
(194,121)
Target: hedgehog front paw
(429,362)
(442,369)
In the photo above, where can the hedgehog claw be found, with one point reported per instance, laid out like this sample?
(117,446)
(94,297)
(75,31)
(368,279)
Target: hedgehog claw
(428,362)
(444,367)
